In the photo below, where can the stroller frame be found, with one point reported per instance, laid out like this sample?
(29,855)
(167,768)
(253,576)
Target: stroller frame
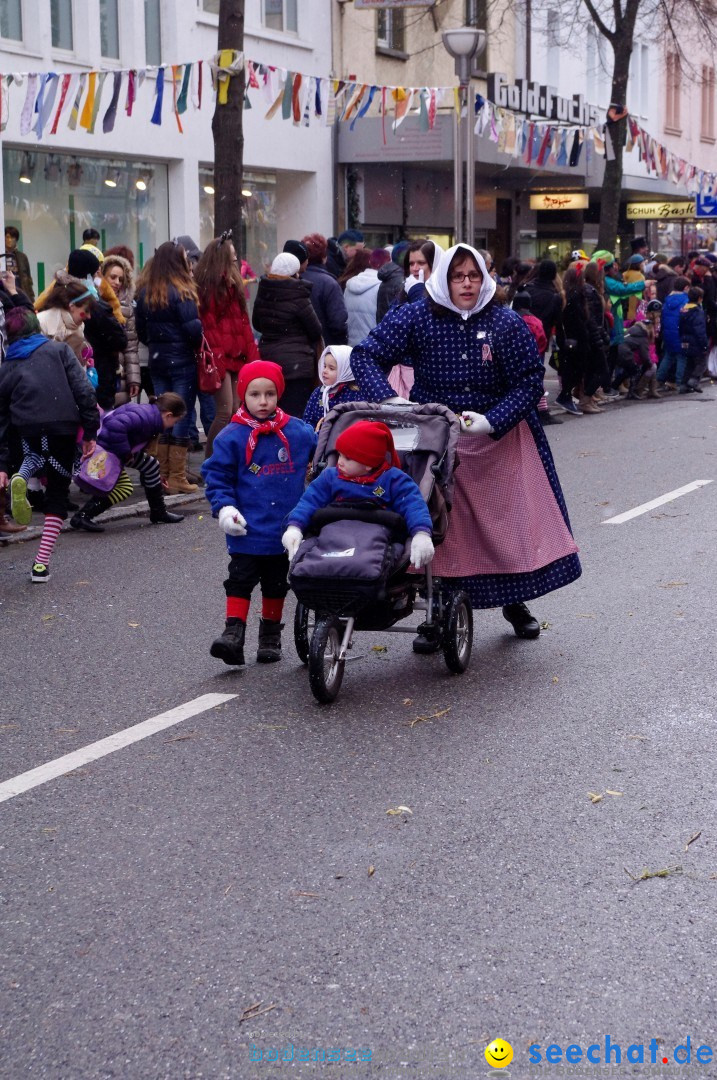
(324,643)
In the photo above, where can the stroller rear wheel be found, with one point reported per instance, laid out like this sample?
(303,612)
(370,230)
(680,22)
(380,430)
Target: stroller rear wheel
(458,633)
(303,629)
(326,671)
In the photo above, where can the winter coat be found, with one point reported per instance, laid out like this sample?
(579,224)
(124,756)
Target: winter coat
(264,496)
(575,317)
(637,340)
(617,292)
(108,340)
(693,331)
(128,359)
(228,332)
(546,304)
(394,490)
(11,300)
(361,297)
(665,278)
(289,327)
(630,277)
(536,328)
(335,260)
(391,277)
(58,324)
(46,391)
(328,302)
(314,410)
(129,428)
(172,333)
(670,321)
(709,302)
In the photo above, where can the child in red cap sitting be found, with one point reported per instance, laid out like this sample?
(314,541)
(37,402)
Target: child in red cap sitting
(253,478)
(368,469)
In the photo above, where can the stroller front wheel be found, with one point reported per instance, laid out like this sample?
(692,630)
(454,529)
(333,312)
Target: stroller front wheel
(326,670)
(303,629)
(458,633)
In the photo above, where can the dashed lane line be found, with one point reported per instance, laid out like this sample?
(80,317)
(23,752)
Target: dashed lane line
(645,508)
(62,765)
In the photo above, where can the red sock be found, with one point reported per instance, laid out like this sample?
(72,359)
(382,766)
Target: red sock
(271,609)
(237,608)
(50,532)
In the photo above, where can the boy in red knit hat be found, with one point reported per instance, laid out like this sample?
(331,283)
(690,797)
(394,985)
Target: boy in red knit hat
(253,479)
(368,469)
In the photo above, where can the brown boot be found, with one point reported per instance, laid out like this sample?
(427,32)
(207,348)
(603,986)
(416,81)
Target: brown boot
(178,483)
(162,456)
(652,391)
(8,527)
(152,446)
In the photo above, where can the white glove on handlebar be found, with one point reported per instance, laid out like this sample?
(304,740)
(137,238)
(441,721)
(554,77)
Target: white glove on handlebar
(291,540)
(232,521)
(422,550)
(474,423)
(396,401)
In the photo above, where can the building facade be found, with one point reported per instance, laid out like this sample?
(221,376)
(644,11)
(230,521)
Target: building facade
(142,184)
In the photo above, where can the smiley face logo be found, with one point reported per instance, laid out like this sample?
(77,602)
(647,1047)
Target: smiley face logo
(499,1053)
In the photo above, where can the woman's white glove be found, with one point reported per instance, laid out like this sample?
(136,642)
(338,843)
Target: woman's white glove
(474,423)
(232,521)
(396,401)
(411,281)
(291,540)
(422,550)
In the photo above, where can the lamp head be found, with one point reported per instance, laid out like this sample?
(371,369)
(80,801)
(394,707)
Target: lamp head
(465,41)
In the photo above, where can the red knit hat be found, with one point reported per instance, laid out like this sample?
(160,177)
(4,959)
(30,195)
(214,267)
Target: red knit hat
(369,442)
(260,369)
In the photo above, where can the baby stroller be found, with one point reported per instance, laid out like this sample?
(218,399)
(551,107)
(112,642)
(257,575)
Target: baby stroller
(351,570)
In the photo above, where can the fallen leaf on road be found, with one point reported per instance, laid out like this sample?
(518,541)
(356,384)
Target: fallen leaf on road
(433,716)
(642,738)
(545,625)
(9,727)
(253,1011)
(82,583)
(379,648)
(371,871)
(201,517)
(67,730)
(394,810)
(674,584)
(555,678)
(646,874)
(608,792)
(47,618)
(692,839)
(183,738)
(308,895)
(134,625)
(586,615)
(594,796)
(408,701)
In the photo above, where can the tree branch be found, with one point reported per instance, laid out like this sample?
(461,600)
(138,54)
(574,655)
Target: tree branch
(594,15)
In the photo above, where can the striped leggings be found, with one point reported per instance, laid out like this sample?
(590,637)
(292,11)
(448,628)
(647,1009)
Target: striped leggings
(148,469)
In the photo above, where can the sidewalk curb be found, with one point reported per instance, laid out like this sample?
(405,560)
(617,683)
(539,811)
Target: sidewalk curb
(116,513)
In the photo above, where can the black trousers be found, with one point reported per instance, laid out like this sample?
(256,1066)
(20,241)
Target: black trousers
(58,453)
(247,571)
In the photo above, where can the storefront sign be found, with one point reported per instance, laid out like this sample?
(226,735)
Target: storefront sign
(559,200)
(393,3)
(649,210)
(534,99)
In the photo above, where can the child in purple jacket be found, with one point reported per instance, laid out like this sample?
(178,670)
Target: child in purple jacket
(126,432)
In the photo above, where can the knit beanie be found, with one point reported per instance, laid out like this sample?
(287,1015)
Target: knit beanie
(399,250)
(260,369)
(82,264)
(94,250)
(603,257)
(295,247)
(370,442)
(21,323)
(351,236)
(285,265)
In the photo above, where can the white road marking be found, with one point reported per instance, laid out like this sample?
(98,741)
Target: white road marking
(28,780)
(644,508)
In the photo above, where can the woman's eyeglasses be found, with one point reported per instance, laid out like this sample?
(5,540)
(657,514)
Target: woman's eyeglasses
(473,276)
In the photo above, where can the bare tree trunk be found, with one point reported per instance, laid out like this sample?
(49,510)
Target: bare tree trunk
(228,130)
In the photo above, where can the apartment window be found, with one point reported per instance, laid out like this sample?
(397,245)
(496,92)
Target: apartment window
(638,87)
(61,20)
(672,92)
(552,40)
(281,15)
(390,27)
(109,29)
(153,31)
(211,6)
(11,19)
(476,14)
(707,131)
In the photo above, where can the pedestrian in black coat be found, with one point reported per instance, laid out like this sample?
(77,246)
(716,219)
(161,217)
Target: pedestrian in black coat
(327,298)
(546,302)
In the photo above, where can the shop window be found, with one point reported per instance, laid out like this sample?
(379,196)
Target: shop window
(390,30)
(153,32)
(210,6)
(109,29)
(281,15)
(672,93)
(11,19)
(61,22)
(707,129)
(476,15)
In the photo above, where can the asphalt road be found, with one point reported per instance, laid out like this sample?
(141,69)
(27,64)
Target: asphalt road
(150,899)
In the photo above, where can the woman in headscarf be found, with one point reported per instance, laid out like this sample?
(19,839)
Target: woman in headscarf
(509,538)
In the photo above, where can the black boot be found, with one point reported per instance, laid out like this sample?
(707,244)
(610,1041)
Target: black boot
(158,512)
(269,650)
(524,624)
(83,519)
(230,646)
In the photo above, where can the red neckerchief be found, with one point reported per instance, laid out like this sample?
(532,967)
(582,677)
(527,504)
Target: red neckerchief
(272,426)
(368,478)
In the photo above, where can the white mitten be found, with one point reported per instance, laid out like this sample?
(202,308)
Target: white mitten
(411,281)
(291,540)
(422,550)
(474,423)
(396,401)
(232,521)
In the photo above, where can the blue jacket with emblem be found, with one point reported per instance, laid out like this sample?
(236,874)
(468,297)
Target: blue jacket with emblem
(264,493)
(670,321)
(394,490)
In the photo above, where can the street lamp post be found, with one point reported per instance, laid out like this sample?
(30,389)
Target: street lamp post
(463,44)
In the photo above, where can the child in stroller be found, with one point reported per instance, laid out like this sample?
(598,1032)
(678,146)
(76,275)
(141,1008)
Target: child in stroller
(361,552)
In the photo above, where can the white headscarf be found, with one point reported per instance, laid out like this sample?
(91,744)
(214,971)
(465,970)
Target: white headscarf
(344,374)
(438,288)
